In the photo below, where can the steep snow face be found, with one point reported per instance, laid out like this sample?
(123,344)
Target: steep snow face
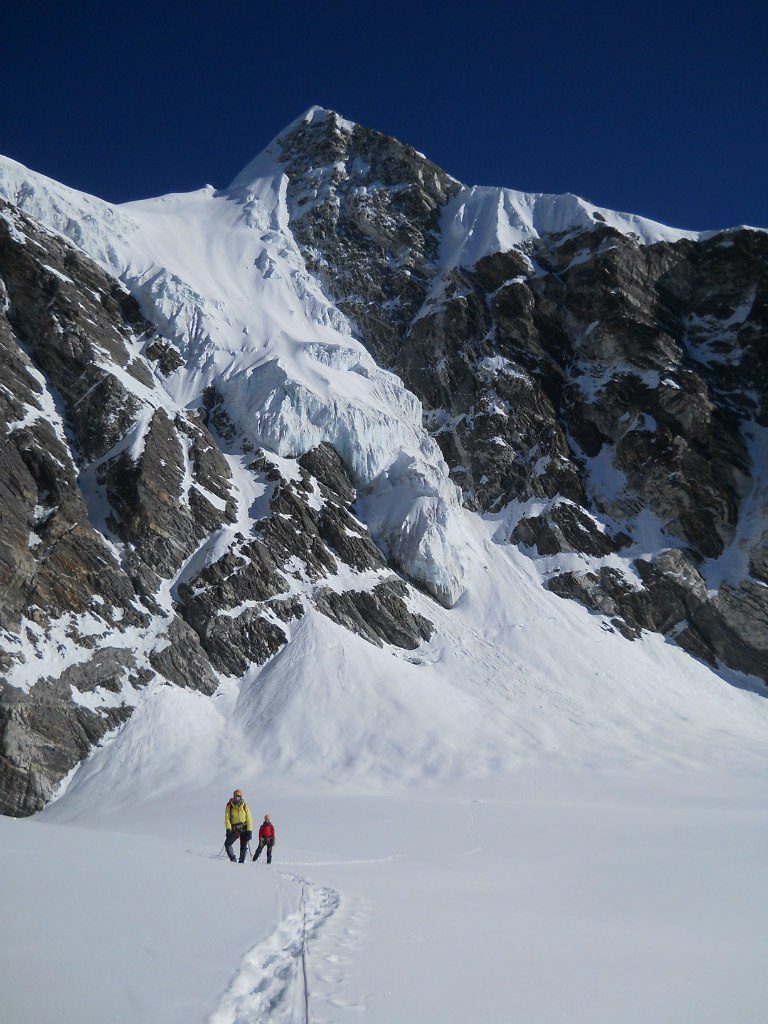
(481,221)
(220,275)
(99,228)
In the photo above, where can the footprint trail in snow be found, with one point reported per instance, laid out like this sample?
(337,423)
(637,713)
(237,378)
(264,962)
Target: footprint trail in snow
(277,978)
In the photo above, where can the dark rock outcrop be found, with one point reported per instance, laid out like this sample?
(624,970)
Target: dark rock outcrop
(379,615)
(366,210)
(241,604)
(566,527)
(42,737)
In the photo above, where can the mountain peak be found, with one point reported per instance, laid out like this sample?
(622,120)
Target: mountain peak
(314,120)
(315,116)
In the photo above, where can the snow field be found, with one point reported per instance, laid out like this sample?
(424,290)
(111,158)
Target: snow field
(551,894)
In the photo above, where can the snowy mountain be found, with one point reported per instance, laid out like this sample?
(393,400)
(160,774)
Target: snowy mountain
(348,389)
(434,517)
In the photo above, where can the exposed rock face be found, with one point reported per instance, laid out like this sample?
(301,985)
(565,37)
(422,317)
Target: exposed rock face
(366,210)
(41,739)
(566,527)
(241,606)
(379,615)
(610,381)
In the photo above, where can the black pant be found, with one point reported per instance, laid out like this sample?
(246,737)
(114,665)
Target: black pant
(269,843)
(230,839)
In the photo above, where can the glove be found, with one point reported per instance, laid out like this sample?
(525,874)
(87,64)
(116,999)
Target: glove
(247,836)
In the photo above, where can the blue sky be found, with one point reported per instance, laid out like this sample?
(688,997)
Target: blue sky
(654,108)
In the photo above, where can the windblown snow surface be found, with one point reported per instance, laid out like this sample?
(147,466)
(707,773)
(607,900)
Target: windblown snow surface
(529,819)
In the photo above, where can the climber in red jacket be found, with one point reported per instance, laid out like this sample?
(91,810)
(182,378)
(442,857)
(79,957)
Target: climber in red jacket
(266,838)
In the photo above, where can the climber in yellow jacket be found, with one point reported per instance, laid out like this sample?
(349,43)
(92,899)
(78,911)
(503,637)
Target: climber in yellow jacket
(239,824)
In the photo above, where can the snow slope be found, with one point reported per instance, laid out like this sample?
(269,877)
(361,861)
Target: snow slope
(579,895)
(512,674)
(481,220)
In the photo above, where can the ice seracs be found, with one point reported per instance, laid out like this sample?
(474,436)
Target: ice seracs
(221,275)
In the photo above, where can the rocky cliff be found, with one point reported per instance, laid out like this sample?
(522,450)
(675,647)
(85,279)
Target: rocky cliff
(195,454)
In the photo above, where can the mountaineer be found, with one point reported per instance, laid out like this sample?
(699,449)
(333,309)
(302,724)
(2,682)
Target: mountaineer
(239,824)
(266,838)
